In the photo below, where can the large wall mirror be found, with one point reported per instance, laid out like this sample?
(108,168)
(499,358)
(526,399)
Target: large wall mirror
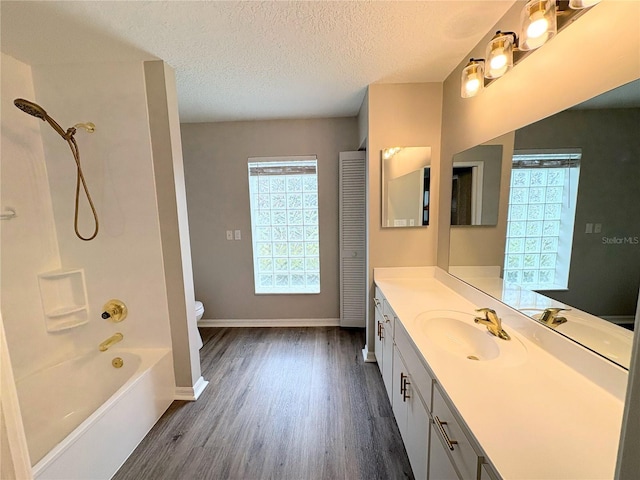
(568,228)
(406,180)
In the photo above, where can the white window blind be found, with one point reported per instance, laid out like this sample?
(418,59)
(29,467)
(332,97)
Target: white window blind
(283,195)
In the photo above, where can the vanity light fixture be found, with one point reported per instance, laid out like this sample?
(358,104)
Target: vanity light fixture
(537,23)
(500,54)
(472,81)
(540,21)
(580,4)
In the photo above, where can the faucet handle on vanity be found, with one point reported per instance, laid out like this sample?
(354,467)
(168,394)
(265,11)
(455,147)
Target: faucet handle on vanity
(550,316)
(493,323)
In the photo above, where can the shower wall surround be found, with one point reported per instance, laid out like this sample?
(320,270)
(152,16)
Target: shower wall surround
(125,260)
(29,241)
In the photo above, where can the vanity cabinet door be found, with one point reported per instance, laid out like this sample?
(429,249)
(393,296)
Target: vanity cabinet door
(440,466)
(383,345)
(377,346)
(411,416)
(387,354)
(487,473)
(452,437)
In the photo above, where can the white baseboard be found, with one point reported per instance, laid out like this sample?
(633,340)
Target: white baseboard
(368,355)
(191,394)
(270,322)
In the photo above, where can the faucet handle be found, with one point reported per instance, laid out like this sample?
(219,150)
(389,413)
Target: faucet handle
(492,322)
(557,309)
(550,316)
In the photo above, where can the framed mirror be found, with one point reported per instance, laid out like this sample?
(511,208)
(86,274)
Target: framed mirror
(568,232)
(406,183)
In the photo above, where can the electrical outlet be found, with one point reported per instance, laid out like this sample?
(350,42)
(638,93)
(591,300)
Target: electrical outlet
(588,228)
(597,228)
(229,235)
(237,235)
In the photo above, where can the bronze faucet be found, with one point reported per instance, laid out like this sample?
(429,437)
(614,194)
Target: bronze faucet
(492,322)
(550,317)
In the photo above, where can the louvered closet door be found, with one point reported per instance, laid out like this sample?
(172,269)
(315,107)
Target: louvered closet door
(352,239)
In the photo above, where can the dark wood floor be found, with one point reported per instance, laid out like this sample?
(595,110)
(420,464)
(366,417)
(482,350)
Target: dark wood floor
(282,403)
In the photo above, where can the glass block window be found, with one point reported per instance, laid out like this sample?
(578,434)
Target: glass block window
(283,194)
(541,216)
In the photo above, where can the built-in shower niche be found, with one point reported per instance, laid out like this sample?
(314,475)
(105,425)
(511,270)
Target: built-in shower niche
(64,299)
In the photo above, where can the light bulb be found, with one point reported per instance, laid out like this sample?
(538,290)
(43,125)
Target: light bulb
(538,26)
(472,86)
(499,61)
(472,80)
(499,54)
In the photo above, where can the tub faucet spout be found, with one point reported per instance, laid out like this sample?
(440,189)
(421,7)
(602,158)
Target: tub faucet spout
(109,342)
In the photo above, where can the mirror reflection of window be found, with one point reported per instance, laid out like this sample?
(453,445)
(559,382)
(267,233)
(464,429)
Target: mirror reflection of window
(542,205)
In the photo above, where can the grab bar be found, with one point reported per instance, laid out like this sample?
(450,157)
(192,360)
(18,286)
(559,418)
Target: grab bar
(8,214)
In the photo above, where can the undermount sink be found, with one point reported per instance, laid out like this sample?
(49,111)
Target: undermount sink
(456,333)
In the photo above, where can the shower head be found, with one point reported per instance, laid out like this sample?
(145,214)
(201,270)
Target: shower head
(31,108)
(37,111)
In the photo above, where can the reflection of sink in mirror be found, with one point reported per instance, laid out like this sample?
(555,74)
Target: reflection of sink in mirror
(456,333)
(594,333)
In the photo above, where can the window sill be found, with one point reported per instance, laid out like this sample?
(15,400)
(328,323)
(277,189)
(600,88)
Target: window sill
(278,291)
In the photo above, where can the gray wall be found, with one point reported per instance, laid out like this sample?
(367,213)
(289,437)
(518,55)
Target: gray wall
(603,278)
(215,162)
(168,170)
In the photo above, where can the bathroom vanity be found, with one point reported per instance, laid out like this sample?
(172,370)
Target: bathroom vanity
(470,405)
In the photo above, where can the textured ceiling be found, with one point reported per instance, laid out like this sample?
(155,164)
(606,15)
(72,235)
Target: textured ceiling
(258,60)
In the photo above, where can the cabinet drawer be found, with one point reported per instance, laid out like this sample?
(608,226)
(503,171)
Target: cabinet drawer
(421,377)
(445,424)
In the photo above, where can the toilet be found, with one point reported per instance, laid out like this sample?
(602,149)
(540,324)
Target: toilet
(199,310)
(199,313)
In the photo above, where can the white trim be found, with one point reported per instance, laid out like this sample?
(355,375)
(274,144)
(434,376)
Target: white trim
(191,394)
(283,158)
(10,416)
(368,355)
(269,322)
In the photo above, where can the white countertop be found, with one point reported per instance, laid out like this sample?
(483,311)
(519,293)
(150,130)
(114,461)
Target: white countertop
(539,419)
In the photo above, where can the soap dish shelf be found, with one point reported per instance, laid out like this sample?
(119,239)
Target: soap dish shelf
(64,299)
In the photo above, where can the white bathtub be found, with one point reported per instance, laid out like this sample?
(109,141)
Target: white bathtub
(83,417)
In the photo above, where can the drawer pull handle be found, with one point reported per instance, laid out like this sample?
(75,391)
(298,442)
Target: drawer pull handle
(406,395)
(376,302)
(404,391)
(450,443)
(386,318)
